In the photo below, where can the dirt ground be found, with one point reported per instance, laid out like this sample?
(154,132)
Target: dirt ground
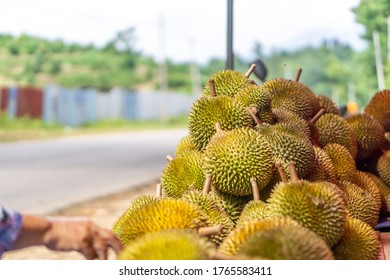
(103,211)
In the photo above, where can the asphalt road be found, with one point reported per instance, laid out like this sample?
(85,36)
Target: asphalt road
(43,176)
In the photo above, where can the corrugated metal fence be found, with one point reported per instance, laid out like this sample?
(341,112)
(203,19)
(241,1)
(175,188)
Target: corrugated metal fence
(75,107)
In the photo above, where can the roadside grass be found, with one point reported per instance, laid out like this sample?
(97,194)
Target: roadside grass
(19,129)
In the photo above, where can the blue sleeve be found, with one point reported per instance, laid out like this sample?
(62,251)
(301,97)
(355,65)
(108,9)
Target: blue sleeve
(10,227)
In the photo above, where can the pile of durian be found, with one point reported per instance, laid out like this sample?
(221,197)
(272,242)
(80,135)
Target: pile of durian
(270,171)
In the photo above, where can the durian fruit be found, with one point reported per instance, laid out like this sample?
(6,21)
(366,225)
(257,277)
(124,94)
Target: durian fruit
(232,243)
(364,181)
(283,115)
(257,97)
(165,213)
(384,191)
(360,203)
(370,135)
(228,82)
(234,157)
(359,242)
(335,129)
(290,95)
(169,244)
(315,205)
(183,172)
(314,101)
(323,169)
(185,144)
(134,206)
(207,111)
(328,104)
(216,215)
(288,242)
(379,108)
(383,167)
(342,161)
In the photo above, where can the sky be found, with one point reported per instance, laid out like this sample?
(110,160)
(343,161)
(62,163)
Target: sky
(186,30)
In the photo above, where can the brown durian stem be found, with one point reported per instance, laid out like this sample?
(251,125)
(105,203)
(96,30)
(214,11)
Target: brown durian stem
(250,71)
(169,158)
(251,110)
(317,116)
(293,172)
(207,231)
(218,127)
(158,190)
(253,82)
(212,88)
(207,184)
(298,75)
(281,171)
(255,189)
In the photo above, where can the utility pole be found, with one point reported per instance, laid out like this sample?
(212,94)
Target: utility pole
(230,55)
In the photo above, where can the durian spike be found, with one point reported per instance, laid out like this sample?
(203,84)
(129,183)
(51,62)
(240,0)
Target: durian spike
(250,70)
(255,189)
(298,75)
(293,172)
(169,158)
(158,190)
(212,88)
(317,116)
(252,111)
(218,127)
(207,231)
(207,184)
(281,171)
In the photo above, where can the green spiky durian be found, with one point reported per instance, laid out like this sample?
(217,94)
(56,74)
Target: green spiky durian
(227,83)
(323,169)
(370,135)
(379,108)
(234,157)
(342,161)
(335,129)
(360,203)
(215,214)
(290,95)
(314,101)
(328,104)
(288,242)
(207,111)
(317,206)
(359,242)
(183,171)
(253,210)
(232,243)
(135,205)
(170,244)
(364,181)
(384,191)
(165,213)
(383,167)
(283,115)
(185,144)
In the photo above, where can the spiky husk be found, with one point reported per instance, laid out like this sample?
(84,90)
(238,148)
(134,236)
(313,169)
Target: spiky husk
(183,171)
(335,129)
(383,167)
(165,213)
(227,83)
(328,104)
(236,156)
(359,242)
(254,210)
(317,206)
(384,191)
(283,115)
(185,144)
(366,183)
(379,108)
(288,242)
(207,111)
(170,244)
(323,169)
(314,101)
(342,161)
(370,135)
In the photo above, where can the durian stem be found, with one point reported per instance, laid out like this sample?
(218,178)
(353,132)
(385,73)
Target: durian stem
(207,231)
(293,172)
(317,116)
(298,75)
(250,70)
(255,189)
(158,190)
(253,82)
(169,158)
(212,88)
(207,184)
(251,110)
(281,171)
(218,127)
